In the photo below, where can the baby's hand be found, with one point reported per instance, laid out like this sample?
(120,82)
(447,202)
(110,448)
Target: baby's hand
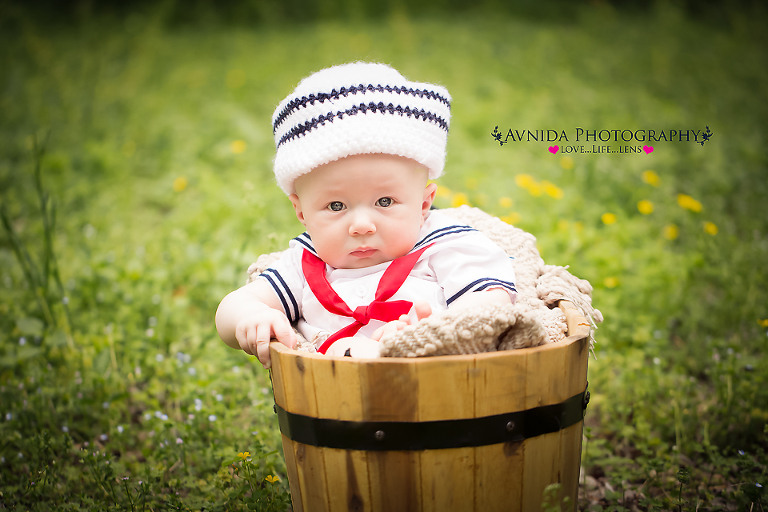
(354,347)
(254,331)
(422,309)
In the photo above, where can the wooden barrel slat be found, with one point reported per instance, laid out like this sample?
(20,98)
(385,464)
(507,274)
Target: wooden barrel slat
(508,476)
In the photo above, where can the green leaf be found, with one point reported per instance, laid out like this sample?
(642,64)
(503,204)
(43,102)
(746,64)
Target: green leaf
(26,352)
(57,338)
(30,326)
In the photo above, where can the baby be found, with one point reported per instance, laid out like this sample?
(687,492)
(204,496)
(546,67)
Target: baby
(356,146)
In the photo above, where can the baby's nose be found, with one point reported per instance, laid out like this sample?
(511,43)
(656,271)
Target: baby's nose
(362,224)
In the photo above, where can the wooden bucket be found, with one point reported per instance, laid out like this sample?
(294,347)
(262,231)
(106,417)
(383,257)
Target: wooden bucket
(483,432)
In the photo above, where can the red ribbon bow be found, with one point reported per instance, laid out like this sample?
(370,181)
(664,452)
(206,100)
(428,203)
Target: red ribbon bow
(394,276)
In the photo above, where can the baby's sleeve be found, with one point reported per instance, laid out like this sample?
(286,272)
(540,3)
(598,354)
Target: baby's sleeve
(472,263)
(287,280)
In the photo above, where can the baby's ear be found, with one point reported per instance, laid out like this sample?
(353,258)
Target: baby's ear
(296,202)
(429,197)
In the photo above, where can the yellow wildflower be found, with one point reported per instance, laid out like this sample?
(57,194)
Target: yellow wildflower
(651,178)
(471,183)
(179,184)
(237,146)
(763,323)
(645,207)
(459,199)
(244,455)
(505,202)
(711,228)
(524,180)
(608,218)
(512,218)
(562,225)
(566,163)
(552,190)
(272,478)
(671,232)
(611,282)
(689,203)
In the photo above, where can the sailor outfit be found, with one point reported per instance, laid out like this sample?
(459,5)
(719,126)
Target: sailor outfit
(456,260)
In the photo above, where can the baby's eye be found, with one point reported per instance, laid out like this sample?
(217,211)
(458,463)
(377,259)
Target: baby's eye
(384,202)
(336,206)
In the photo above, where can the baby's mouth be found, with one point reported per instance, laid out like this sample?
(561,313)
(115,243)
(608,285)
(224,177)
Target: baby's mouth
(363,252)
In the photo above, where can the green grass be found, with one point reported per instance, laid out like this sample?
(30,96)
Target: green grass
(108,351)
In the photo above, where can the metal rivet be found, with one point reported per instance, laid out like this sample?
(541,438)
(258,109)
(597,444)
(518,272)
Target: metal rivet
(510,426)
(379,435)
(586,400)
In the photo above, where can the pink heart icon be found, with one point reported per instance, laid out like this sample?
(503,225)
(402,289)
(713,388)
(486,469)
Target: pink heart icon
(648,149)
(555,149)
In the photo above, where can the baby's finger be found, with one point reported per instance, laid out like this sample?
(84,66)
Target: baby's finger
(422,308)
(262,352)
(263,335)
(248,343)
(284,333)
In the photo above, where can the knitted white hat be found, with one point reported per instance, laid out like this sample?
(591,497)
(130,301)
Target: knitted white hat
(359,108)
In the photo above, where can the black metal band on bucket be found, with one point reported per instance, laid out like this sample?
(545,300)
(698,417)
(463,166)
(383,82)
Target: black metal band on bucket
(432,435)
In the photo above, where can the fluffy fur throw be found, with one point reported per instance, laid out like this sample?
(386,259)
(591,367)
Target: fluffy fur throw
(534,320)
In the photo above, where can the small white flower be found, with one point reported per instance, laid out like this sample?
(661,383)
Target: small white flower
(236,369)
(147,416)
(198,407)
(137,371)
(191,371)
(8,416)
(21,455)
(656,360)
(105,405)
(158,414)
(179,441)
(159,358)
(191,416)
(120,429)
(187,358)
(65,429)
(212,417)
(219,398)
(103,437)
(156,299)
(164,417)
(152,321)
(65,300)
(150,333)
(22,341)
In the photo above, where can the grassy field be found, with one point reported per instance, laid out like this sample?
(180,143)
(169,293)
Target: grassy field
(136,188)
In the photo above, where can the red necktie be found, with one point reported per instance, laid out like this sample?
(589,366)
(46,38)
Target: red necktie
(379,309)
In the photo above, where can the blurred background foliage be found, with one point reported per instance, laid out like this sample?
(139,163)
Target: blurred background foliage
(149,126)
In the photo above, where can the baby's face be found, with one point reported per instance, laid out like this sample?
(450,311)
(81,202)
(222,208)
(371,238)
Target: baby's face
(364,209)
